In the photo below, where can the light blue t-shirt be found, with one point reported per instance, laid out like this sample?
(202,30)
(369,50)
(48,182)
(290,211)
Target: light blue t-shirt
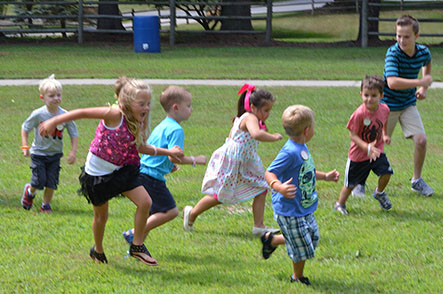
(295,161)
(167,134)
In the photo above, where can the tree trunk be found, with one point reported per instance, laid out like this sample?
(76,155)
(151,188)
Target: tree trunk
(373,11)
(236,24)
(109,23)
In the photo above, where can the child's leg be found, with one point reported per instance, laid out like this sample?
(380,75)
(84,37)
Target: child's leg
(98,225)
(277,240)
(344,194)
(47,195)
(143,202)
(159,218)
(258,209)
(419,154)
(383,182)
(207,202)
(298,268)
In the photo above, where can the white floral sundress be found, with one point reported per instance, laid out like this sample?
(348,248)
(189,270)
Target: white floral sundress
(235,172)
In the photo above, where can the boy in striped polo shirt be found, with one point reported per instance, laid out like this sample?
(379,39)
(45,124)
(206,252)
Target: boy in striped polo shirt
(403,63)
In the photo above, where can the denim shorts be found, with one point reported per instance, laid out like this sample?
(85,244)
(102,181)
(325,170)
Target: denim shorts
(162,199)
(45,171)
(301,236)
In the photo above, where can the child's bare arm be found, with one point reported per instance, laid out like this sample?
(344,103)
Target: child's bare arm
(332,175)
(286,189)
(398,83)
(25,147)
(252,125)
(73,154)
(175,152)
(199,159)
(423,91)
(370,148)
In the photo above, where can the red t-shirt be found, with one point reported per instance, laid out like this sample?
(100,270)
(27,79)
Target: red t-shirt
(369,127)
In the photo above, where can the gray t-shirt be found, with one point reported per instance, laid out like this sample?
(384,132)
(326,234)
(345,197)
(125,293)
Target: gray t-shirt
(53,144)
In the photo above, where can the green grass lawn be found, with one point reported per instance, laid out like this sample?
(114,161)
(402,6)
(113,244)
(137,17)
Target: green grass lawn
(371,251)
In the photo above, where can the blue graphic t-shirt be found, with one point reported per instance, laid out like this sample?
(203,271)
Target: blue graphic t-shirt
(294,161)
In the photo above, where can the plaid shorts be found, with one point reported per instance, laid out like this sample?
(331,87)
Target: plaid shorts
(301,236)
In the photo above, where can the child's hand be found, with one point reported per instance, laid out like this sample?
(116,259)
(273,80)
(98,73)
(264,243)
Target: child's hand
(46,128)
(287,189)
(26,152)
(71,157)
(421,93)
(175,168)
(277,136)
(387,139)
(373,152)
(426,81)
(200,159)
(333,175)
(176,153)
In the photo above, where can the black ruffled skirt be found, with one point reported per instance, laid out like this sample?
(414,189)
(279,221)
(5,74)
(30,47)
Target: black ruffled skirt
(99,189)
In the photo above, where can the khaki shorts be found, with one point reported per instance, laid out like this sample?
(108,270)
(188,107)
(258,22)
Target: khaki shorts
(409,119)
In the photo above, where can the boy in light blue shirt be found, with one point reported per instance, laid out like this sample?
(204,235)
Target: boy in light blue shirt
(177,102)
(292,177)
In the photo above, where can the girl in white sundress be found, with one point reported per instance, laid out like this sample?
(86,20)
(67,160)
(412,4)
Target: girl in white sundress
(235,172)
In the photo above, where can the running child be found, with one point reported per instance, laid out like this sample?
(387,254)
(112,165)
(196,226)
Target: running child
(292,177)
(367,127)
(112,164)
(235,172)
(177,103)
(46,151)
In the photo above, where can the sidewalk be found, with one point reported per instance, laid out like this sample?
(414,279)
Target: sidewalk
(187,82)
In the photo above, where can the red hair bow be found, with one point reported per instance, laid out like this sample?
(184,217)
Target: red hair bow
(249,88)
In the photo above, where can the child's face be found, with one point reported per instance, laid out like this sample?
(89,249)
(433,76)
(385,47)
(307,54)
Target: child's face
(141,105)
(263,112)
(406,38)
(184,108)
(52,99)
(371,98)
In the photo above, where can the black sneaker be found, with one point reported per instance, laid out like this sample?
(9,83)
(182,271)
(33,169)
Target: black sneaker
(303,280)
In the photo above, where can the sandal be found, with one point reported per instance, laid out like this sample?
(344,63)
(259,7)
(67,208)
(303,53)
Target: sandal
(135,249)
(129,236)
(100,257)
(303,280)
(267,248)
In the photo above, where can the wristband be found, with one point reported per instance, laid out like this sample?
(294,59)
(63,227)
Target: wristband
(155,150)
(272,183)
(193,161)
(369,149)
(25,148)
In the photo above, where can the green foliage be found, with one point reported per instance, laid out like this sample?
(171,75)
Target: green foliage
(371,251)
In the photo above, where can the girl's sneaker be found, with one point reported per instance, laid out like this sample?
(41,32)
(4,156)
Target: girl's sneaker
(359,191)
(186,212)
(46,208)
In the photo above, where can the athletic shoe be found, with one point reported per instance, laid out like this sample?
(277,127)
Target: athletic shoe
(421,187)
(385,203)
(341,208)
(303,280)
(45,208)
(359,191)
(259,231)
(27,197)
(186,212)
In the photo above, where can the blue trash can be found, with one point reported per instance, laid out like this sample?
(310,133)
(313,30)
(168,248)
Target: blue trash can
(146,34)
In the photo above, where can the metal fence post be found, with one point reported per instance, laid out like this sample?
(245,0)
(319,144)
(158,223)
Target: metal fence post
(268,22)
(80,22)
(171,23)
(364,24)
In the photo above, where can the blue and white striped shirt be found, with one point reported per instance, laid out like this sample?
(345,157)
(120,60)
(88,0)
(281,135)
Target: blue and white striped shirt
(399,64)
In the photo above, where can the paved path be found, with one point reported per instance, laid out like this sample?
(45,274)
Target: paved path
(276,83)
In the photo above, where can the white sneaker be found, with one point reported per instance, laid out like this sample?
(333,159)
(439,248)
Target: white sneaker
(186,213)
(359,191)
(259,231)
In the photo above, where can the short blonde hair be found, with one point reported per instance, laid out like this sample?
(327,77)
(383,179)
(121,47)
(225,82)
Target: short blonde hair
(296,118)
(50,84)
(173,95)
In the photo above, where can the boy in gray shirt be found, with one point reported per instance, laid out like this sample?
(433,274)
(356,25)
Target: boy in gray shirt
(46,152)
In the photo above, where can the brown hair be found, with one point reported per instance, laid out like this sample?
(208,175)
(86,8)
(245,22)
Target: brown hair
(407,20)
(173,95)
(373,82)
(257,98)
